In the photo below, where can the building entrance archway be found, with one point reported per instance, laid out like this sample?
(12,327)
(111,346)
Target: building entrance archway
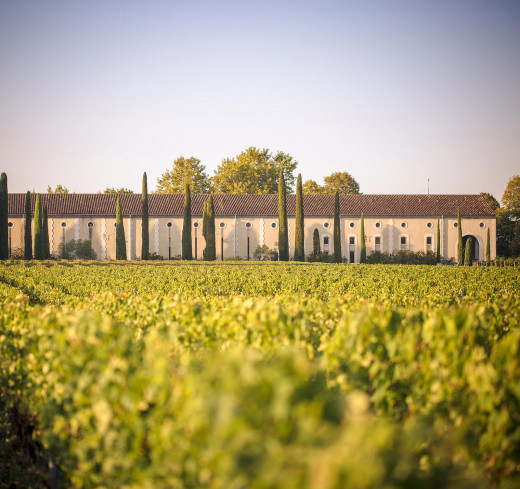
(475,245)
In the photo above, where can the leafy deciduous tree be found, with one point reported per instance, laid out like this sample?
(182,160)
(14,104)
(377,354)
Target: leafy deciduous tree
(511,197)
(283,235)
(184,171)
(493,203)
(337,231)
(299,250)
(28,253)
(122,190)
(341,182)
(311,187)
(186,225)
(120,233)
(60,189)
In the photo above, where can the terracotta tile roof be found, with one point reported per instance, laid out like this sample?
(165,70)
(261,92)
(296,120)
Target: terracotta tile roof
(259,205)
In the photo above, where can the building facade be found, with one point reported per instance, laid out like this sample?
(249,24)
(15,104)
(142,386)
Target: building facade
(244,222)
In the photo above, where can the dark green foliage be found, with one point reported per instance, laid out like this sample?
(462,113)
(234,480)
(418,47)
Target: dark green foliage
(28,254)
(405,257)
(468,255)
(38,229)
(460,247)
(363,256)
(488,246)
(4,211)
(77,250)
(45,236)
(316,248)
(208,230)
(120,233)
(283,235)
(438,241)
(264,253)
(186,225)
(337,231)
(299,243)
(145,239)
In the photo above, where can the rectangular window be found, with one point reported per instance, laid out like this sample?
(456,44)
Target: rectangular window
(326,240)
(378,240)
(429,240)
(351,240)
(403,240)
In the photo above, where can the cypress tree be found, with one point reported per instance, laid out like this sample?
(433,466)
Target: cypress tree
(28,254)
(205,229)
(299,246)
(460,247)
(316,249)
(337,230)
(145,240)
(438,241)
(283,237)
(120,233)
(38,229)
(468,253)
(488,246)
(4,218)
(186,226)
(45,240)
(363,256)
(211,252)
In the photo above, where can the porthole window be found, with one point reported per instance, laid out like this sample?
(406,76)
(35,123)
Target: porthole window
(455,224)
(429,225)
(352,224)
(482,224)
(11,224)
(115,224)
(196,224)
(248,225)
(90,224)
(221,224)
(326,225)
(274,225)
(404,224)
(63,224)
(378,225)
(169,225)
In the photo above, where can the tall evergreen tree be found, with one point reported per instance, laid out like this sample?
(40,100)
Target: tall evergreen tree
(45,236)
(38,229)
(337,230)
(363,256)
(468,256)
(488,246)
(28,254)
(460,247)
(438,241)
(211,253)
(186,225)
(299,245)
(316,248)
(145,230)
(205,229)
(4,218)
(283,236)
(120,233)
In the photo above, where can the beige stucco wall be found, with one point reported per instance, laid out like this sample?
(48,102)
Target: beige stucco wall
(166,241)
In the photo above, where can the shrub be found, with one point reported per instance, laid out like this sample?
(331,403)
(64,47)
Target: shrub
(77,250)
(264,253)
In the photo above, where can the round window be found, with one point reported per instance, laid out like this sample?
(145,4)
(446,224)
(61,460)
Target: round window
(196,224)
(378,225)
(90,224)
(248,225)
(169,225)
(326,225)
(352,224)
(221,224)
(429,225)
(274,225)
(482,224)
(455,224)
(404,224)
(11,224)
(63,224)
(115,224)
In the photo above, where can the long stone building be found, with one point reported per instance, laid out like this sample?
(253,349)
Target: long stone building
(243,222)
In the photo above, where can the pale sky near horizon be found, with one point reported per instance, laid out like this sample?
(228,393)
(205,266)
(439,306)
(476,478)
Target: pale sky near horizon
(93,93)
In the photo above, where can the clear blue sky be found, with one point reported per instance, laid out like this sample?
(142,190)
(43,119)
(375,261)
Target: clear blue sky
(93,93)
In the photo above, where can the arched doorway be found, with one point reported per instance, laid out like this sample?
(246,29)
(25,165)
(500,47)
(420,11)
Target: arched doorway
(475,246)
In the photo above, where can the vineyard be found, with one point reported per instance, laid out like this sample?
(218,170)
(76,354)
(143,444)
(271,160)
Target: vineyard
(259,375)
